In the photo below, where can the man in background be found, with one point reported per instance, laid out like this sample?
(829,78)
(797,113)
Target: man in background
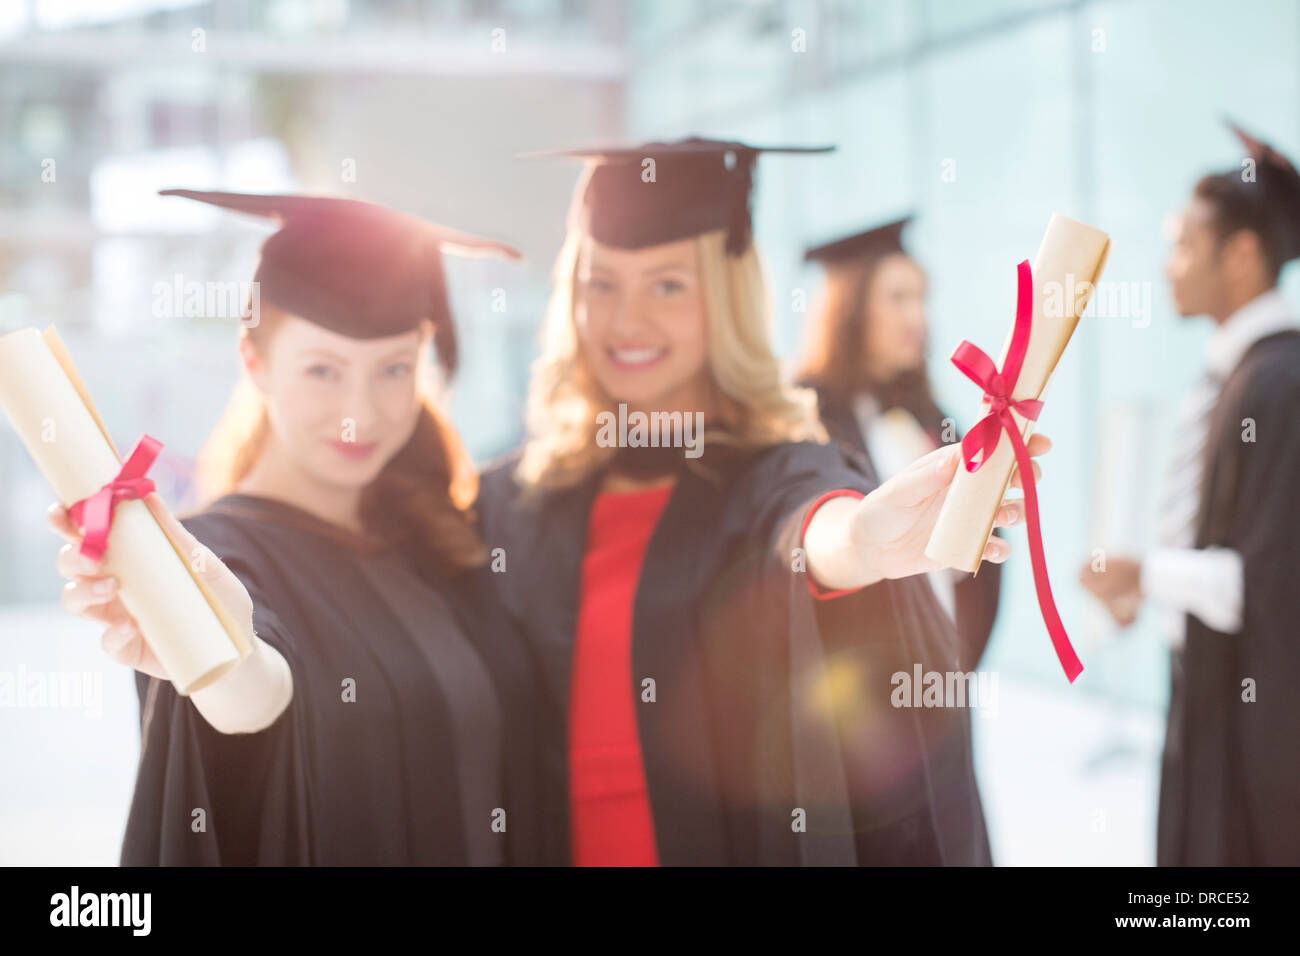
(1226,572)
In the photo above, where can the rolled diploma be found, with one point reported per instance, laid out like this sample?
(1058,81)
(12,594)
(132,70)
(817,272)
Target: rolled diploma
(192,635)
(1068,265)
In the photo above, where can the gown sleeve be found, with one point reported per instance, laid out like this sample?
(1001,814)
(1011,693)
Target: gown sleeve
(207,798)
(1262,523)
(904,774)
(977,597)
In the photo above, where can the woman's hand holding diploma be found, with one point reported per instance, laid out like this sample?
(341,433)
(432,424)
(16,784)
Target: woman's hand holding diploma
(854,543)
(247,698)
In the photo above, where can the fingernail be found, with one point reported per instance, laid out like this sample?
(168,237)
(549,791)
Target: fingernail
(1010,516)
(105,585)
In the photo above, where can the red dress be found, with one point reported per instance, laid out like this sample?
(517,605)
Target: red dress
(609,805)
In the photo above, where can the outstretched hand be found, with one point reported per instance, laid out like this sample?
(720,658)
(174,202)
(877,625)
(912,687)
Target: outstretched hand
(93,594)
(892,525)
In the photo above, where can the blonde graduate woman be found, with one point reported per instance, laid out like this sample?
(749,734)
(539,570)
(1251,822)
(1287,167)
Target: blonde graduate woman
(722,608)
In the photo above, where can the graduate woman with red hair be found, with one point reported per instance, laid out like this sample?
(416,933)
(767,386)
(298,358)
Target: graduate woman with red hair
(384,716)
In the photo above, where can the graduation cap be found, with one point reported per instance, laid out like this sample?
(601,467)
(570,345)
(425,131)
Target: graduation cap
(637,196)
(353,267)
(876,241)
(1274,196)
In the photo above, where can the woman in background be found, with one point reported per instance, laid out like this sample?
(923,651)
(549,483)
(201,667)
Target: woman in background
(865,359)
(385,715)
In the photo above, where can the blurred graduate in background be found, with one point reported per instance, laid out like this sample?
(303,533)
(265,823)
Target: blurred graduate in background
(864,356)
(1226,570)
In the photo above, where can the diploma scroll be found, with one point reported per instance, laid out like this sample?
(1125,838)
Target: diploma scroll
(1051,297)
(1068,265)
(191,633)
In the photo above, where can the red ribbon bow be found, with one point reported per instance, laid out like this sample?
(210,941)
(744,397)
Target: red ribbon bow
(981,440)
(94,515)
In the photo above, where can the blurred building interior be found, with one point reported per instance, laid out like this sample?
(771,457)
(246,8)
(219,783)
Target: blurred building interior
(983,118)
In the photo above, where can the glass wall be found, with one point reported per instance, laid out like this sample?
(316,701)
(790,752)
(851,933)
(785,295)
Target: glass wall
(421,106)
(983,119)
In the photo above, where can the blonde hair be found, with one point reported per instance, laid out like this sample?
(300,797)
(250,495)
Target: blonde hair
(753,407)
(420,500)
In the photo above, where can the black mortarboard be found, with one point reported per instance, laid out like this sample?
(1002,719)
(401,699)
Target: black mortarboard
(873,242)
(1274,195)
(353,267)
(694,186)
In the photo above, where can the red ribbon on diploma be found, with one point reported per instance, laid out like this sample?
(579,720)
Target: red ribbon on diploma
(981,440)
(94,515)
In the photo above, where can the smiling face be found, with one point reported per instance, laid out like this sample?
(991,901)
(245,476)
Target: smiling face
(340,408)
(894,339)
(642,323)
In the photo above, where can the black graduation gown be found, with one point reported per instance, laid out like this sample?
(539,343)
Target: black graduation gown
(976,596)
(738,739)
(374,781)
(1230,777)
